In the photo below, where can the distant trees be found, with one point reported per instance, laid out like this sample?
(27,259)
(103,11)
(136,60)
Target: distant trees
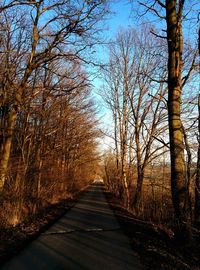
(135,101)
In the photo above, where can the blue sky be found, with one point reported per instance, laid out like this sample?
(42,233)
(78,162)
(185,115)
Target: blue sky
(121,16)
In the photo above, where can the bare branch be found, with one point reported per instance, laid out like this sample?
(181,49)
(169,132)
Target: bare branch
(151,8)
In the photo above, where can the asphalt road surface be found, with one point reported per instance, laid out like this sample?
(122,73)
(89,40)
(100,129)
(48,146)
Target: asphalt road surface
(87,237)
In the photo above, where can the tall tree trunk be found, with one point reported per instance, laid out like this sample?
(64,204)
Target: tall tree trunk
(117,177)
(6,147)
(197,184)
(125,138)
(116,142)
(138,192)
(140,174)
(117,126)
(124,165)
(16,107)
(178,166)
(11,124)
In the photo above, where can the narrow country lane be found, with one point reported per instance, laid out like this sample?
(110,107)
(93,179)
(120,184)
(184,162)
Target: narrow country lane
(87,237)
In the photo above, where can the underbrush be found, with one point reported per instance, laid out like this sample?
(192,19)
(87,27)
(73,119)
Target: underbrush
(15,238)
(155,242)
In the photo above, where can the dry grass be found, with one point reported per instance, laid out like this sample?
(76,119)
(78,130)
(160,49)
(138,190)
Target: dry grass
(156,202)
(22,198)
(155,243)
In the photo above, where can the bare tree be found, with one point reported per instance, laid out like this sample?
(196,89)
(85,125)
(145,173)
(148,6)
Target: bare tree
(135,100)
(58,30)
(172,12)
(54,153)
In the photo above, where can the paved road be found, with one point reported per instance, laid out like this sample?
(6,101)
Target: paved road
(88,237)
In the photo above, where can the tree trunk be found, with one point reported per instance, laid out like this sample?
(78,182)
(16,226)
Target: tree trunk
(178,166)
(140,171)
(7,147)
(197,184)
(125,139)
(116,143)
(138,192)
(124,173)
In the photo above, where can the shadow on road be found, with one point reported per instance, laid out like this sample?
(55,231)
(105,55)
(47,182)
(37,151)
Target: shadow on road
(87,237)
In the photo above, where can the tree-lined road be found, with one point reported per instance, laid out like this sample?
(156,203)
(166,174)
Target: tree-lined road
(87,237)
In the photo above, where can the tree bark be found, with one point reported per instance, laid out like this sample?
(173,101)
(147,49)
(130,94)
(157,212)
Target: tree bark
(116,142)
(178,167)
(197,184)
(7,147)
(138,193)
(125,136)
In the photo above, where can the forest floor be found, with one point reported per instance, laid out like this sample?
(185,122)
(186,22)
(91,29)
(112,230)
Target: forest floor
(154,244)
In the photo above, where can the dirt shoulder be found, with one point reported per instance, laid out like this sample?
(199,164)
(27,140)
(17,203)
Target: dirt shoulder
(155,244)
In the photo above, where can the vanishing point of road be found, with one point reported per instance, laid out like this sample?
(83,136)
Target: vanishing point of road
(87,237)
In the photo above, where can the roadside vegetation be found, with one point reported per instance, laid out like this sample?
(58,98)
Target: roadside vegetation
(152,91)
(48,123)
